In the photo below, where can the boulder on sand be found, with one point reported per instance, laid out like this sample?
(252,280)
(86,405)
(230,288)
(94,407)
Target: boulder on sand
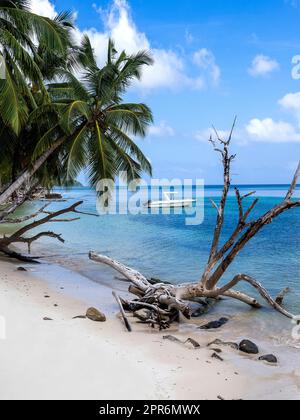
(94,315)
(270,358)
(246,346)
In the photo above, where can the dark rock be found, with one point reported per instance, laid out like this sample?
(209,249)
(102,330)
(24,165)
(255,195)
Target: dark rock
(46,297)
(47,319)
(193,342)
(246,346)
(21,269)
(95,315)
(214,324)
(270,358)
(79,317)
(216,356)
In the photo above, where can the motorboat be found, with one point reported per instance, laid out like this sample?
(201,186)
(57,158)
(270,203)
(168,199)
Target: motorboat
(169,202)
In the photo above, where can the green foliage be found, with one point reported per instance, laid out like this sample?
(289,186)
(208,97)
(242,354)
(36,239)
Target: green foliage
(54,90)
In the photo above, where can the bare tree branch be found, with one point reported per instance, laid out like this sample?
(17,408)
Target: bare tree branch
(294,183)
(25,218)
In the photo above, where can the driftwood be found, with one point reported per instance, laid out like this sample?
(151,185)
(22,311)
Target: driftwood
(280,298)
(173,298)
(20,235)
(126,322)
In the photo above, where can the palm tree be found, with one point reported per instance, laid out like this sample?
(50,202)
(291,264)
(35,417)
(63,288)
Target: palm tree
(20,57)
(89,124)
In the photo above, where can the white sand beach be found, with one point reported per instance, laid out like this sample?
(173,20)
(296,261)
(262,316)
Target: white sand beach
(70,358)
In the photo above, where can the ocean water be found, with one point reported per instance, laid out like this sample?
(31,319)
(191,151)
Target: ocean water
(163,246)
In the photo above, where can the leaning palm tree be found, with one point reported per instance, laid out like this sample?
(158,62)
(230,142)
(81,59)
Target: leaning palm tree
(20,57)
(90,126)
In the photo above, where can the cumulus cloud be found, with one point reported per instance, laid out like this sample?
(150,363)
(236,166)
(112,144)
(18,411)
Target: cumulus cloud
(206,61)
(262,66)
(291,103)
(43,8)
(270,131)
(161,130)
(169,69)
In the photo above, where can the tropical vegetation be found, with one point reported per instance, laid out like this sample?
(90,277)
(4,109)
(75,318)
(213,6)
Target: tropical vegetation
(60,112)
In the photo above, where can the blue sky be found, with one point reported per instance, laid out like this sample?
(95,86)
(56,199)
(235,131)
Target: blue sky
(214,59)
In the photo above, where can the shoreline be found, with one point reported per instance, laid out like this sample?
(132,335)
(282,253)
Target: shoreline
(79,359)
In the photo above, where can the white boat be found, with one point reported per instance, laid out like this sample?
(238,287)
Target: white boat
(169,202)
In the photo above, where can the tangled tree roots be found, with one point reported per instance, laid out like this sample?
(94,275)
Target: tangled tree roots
(163,303)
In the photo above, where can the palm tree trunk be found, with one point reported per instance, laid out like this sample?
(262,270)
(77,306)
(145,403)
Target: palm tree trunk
(28,173)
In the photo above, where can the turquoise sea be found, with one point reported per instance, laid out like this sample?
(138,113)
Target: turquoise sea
(163,246)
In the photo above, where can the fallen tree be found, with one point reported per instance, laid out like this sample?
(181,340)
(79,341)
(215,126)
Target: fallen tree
(21,235)
(164,301)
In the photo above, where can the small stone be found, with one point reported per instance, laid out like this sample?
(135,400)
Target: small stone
(21,269)
(193,342)
(95,315)
(214,324)
(47,319)
(270,358)
(216,356)
(246,346)
(79,317)
(46,297)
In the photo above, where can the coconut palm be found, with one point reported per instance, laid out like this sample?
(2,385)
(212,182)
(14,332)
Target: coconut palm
(89,125)
(20,56)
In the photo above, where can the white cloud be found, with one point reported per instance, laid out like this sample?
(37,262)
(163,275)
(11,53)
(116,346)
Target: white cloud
(206,61)
(262,66)
(271,131)
(161,130)
(291,103)
(43,8)
(169,69)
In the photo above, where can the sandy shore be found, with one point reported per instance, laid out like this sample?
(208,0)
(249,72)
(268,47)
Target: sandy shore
(70,358)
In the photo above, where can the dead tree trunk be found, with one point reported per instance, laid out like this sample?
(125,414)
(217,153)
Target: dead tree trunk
(20,236)
(168,297)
